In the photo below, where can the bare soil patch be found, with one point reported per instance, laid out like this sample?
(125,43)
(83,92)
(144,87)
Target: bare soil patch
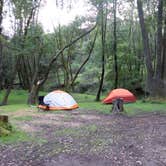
(88,138)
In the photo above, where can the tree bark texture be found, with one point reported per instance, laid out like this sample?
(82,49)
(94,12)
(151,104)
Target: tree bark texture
(38,82)
(155,83)
(115,46)
(4,118)
(33,94)
(85,61)
(117,106)
(5,98)
(103,43)
(159,40)
(1,44)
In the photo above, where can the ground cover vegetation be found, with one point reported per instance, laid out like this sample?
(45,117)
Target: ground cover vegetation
(89,135)
(123,45)
(119,44)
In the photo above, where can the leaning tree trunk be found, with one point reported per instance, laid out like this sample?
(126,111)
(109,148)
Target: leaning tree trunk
(85,61)
(38,83)
(5,98)
(33,94)
(33,91)
(9,88)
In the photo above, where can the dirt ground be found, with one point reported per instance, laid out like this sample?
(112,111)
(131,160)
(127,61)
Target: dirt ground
(88,138)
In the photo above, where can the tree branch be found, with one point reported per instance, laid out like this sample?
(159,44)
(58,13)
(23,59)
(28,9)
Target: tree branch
(61,51)
(86,60)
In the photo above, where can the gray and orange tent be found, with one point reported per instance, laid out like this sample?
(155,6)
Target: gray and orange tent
(58,100)
(124,94)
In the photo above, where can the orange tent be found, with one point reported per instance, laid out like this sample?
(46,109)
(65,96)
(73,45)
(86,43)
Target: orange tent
(124,94)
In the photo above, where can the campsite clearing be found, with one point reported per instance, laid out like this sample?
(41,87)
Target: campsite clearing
(85,138)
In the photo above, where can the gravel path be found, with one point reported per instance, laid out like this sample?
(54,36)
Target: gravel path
(87,138)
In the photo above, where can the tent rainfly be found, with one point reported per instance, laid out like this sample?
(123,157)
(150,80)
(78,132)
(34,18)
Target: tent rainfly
(124,94)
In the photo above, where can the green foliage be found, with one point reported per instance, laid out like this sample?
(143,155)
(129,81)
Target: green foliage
(85,101)
(16,97)
(17,101)
(78,131)
(35,50)
(14,137)
(5,129)
(24,118)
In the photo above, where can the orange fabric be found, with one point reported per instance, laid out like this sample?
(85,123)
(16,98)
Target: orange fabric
(59,91)
(126,95)
(43,107)
(64,108)
(57,108)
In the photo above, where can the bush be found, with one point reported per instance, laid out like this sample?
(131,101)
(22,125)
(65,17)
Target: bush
(5,129)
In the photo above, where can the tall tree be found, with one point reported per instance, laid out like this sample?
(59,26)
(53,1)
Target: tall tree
(155,82)
(103,24)
(1,44)
(39,81)
(164,49)
(115,45)
(24,13)
(92,44)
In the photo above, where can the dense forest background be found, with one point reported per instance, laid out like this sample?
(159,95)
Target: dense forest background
(119,44)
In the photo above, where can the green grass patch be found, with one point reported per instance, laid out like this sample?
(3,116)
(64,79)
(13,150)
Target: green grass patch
(141,107)
(14,137)
(88,102)
(17,136)
(91,128)
(18,99)
(24,118)
(13,108)
(77,131)
(5,129)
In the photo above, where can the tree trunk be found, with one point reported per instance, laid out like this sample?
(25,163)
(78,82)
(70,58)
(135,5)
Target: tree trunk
(159,88)
(5,127)
(164,52)
(5,98)
(103,33)
(1,66)
(37,83)
(4,118)
(159,40)
(156,84)
(32,98)
(115,47)
(1,44)
(117,106)
(10,84)
(145,40)
(85,61)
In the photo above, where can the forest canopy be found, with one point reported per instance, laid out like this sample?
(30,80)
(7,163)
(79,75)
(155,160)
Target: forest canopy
(117,44)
